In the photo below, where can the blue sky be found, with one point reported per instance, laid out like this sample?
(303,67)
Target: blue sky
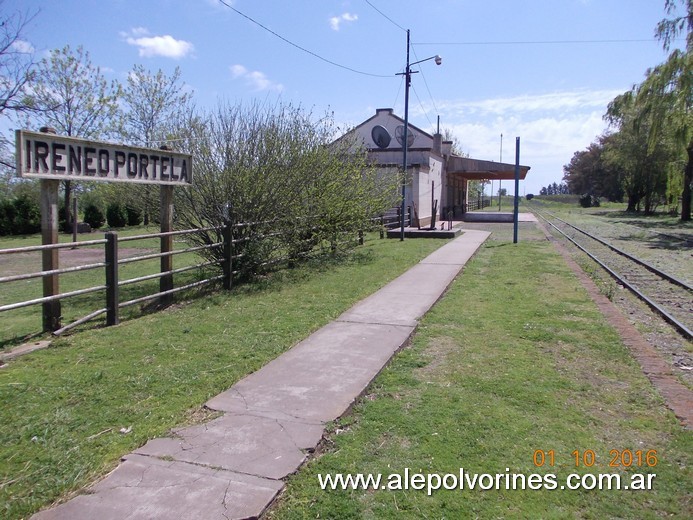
(543,70)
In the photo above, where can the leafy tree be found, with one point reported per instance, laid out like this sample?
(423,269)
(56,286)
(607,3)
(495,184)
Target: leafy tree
(16,71)
(278,167)
(151,104)
(644,164)
(664,102)
(71,95)
(16,60)
(668,92)
(587,172)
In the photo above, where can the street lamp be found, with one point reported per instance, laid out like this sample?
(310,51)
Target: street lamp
(407,81)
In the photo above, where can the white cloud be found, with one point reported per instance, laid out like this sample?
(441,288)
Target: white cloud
(336,21)
(551,126)
(149,46)
(255,79)
(569,101)
(23,47)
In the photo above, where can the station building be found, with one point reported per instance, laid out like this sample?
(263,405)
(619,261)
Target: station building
(437,179)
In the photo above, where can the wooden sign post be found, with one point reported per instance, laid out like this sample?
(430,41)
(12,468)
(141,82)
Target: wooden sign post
(53,158)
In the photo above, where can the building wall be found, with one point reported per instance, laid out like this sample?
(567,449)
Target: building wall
(385,118)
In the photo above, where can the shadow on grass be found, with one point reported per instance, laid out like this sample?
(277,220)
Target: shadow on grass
(669,241)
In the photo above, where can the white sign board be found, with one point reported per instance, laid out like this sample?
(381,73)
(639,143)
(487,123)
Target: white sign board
(48,156)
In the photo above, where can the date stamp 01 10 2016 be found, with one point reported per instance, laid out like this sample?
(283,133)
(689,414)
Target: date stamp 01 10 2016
(588,458)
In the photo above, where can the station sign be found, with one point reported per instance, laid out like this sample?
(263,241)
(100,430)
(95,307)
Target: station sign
(48,156)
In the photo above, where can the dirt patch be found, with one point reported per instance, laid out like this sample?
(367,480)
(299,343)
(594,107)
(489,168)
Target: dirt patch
(436,354)
(24,263)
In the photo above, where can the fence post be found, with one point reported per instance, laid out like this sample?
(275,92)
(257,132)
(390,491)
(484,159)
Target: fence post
(112,293)
(227,265)
(49,235)
(382,226)
(166,281)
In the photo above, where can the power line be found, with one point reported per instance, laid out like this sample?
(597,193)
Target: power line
(386,16)
(422,74)
(299,47)
(421,105)
(427,87)
(398,91)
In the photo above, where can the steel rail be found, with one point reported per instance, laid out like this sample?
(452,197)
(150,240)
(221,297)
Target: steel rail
(650,267)
(680,327)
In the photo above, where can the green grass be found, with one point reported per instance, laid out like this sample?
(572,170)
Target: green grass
(515,358)
(63,407)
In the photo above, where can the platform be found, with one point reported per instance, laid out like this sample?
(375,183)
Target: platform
(412,232)
(497,216)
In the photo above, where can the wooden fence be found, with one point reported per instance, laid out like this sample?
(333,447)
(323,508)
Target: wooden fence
(227,243)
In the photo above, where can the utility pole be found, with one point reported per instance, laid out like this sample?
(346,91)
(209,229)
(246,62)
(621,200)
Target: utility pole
(499,181)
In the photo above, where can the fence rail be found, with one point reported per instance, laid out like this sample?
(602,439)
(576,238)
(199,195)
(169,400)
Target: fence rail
(114,281)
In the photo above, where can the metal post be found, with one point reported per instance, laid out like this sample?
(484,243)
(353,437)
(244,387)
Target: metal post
(112,292)
(499,181)
(517,189)
(407,81)
(74,217)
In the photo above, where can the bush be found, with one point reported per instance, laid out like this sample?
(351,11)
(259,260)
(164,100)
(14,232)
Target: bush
(20,216)
(94,216)
(7,213)
(28,218)
(280,168)
(589,201)
(134,215)
(116,215)
(530,196)
(62,220)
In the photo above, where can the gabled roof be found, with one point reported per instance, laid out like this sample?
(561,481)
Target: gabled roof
(386,118)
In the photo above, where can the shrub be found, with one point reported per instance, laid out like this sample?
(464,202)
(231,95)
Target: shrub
(278,167)
(94,216)
(27,218)
(7,213)
(134,215)
(588,201)
(116,215)
(62,220)
(530,196)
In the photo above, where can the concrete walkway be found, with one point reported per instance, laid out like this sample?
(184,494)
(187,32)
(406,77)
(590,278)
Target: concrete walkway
(232,467)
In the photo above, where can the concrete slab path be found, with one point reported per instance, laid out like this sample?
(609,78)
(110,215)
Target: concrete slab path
(232,467)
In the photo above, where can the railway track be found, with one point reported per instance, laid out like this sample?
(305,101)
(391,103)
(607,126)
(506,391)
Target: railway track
(667,295)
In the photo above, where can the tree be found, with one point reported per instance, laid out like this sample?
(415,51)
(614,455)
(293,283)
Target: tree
(278,167)
(16,71)
(589,173)
(644,164)
(16,60)
(71,95)
(151,104)
(667,93)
